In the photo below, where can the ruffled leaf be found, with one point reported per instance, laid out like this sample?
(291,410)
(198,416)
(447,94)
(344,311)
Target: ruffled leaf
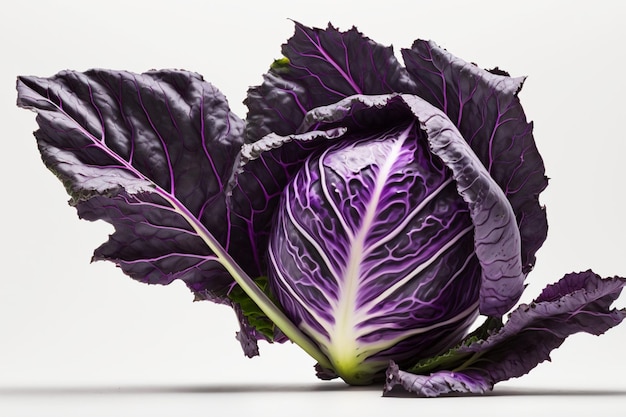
(579,302)
(321,66)
(485,108)
(151,154)
(265,167)
(437,384)
(135,150)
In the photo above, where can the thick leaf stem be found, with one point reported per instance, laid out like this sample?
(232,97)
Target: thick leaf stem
(249,286)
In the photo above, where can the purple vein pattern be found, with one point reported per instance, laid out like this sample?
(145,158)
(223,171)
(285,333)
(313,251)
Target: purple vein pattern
(374,243)
(485,108)
(496,237)
(326,66)
(146,153)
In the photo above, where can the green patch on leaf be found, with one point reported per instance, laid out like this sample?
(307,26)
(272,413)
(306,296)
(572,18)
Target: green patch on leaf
(453,358)
(280,65)
(251,310)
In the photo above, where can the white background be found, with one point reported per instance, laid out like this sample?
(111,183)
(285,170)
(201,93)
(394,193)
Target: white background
(80,339)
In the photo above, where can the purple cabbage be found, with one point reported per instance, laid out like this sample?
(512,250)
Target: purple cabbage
(365,210)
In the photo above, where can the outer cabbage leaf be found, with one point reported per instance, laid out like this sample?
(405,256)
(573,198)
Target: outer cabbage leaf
(260,178)
(151,154)
(320,67)
(141,152)
(579,302)
(485,108)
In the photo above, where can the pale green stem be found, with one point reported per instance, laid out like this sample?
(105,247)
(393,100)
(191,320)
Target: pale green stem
(468,362)
(250,288)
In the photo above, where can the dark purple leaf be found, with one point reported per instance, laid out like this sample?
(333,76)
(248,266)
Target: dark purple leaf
(485,108)
(135,150)
(151,154)
(434,385)
(321,67)
(579,302)
(265,168)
